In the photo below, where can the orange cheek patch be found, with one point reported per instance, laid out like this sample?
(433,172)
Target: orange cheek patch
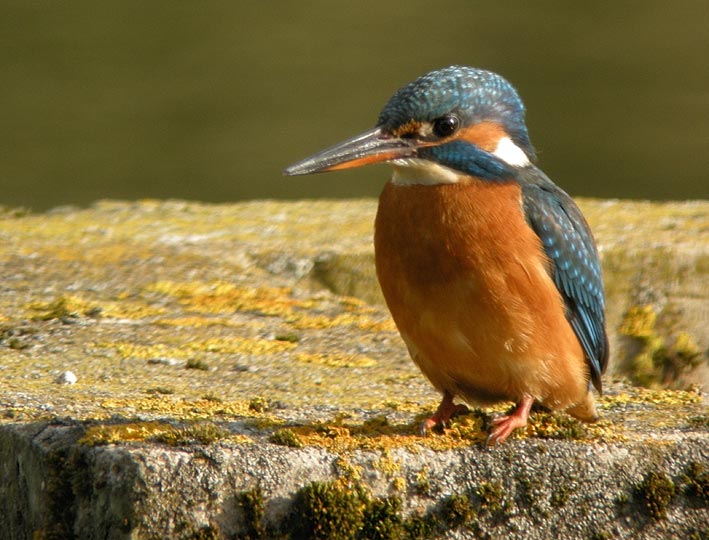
(484,135)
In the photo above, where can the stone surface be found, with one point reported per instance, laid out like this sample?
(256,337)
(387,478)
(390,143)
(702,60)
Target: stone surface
(218,348)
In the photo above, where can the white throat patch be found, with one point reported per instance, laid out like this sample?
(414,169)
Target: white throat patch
(411,171)
(510,153)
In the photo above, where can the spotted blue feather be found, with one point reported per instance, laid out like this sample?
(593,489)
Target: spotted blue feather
(575,267)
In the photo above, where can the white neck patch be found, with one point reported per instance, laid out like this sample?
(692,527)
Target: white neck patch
(411,171)
(510,153)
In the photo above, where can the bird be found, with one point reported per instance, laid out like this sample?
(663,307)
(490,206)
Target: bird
(489,269)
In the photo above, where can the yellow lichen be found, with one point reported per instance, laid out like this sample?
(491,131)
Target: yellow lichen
(337,360)
(136,350)
(555,426)
(125,309)
(361,321)
(677,398)
(201,433)
(236,345)
(398,483)
(117,433)
(181,409)
(347,470)
(223,297)
(225,345)
(387,464)
(196,322)
(75,306)
(607,431)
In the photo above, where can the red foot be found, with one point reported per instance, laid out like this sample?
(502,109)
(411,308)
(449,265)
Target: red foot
(445,410)
(505,425)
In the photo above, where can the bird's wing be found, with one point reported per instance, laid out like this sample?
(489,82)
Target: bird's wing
(575,267)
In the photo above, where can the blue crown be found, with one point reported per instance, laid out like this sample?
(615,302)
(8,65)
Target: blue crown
(474,95)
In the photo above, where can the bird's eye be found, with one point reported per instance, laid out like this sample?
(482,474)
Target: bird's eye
(445,126)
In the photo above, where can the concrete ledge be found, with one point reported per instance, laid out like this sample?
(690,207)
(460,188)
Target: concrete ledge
(177,370)
(533,488)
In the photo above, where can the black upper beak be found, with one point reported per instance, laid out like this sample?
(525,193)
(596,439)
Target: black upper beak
(373,146)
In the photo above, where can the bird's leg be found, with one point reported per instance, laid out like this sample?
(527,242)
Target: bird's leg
(445,410)
(505,425)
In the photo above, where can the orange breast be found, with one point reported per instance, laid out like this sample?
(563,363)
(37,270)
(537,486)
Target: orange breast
(467,284)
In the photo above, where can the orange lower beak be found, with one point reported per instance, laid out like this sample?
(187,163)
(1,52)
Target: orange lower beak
(370,147)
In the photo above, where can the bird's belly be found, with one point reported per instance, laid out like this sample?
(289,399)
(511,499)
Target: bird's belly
(467,285)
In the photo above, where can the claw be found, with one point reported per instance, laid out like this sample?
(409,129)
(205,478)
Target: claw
(445,410)
(505,425)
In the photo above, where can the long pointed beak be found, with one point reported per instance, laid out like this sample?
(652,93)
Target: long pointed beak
(372,146)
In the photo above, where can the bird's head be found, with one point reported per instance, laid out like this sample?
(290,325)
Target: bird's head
(446,124)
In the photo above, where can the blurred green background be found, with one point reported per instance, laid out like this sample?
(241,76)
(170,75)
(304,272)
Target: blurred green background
(209,100)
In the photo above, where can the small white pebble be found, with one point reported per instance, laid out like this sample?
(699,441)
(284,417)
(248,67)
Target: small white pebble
(67,377)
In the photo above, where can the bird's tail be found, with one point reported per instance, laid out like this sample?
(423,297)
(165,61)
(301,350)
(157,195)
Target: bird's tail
(585,410)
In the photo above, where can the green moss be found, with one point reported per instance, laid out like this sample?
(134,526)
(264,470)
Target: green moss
(696,482)
(699,421)
(702,534)
(198,433)
(560,495)
(622,499)
(290,337)
(58,309)
(328,511)
(252,505)
(60,498)
(286,437)
(196,363)
(556,426)
(655,493)
(532,490)
(206,533)
(258,404)
(377,425)
(17,337)
(344,510)
(382,519)
(678,356)
(656,351)
(457,511)
(66,482)
(161,390)
(423,483)
(419,527)
(602,535)
(491,497)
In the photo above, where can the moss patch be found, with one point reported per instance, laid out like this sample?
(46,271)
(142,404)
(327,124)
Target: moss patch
(336,360)
(696,482)
(555,426)
(655,351)
(655,493)
(286,437)
(196,363)
(329,511)
(345,510)
(252,505)
(195,433)
(492,499)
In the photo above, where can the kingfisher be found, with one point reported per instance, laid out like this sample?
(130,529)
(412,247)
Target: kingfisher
(489,269)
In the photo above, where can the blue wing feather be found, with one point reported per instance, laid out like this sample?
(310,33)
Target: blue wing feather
(568,243)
